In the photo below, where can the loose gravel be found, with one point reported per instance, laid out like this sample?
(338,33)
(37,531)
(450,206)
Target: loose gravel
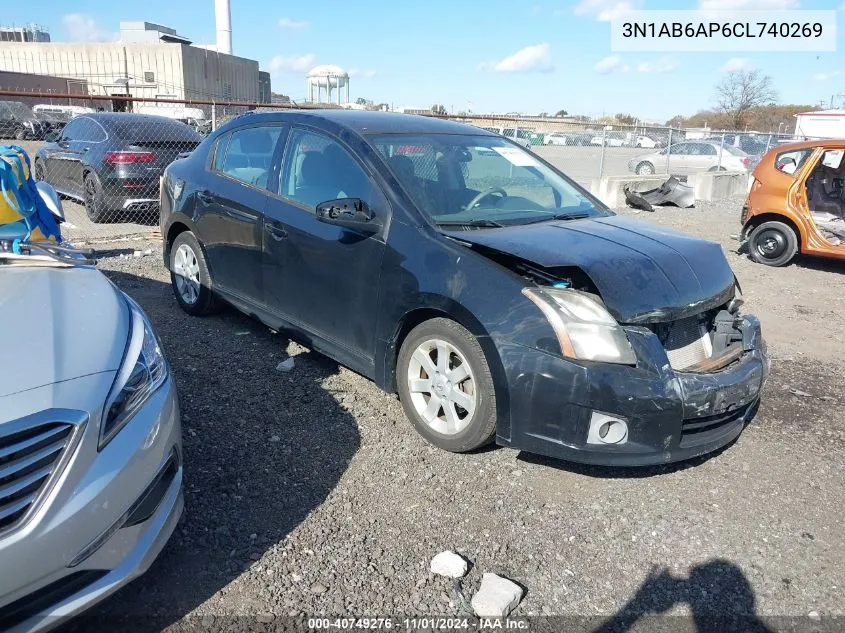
(308,492)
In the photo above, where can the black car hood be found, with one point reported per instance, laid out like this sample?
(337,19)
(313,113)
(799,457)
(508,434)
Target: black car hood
(644,273)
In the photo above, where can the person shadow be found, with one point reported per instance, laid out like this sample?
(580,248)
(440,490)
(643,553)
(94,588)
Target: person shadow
(717,592)
(263,449)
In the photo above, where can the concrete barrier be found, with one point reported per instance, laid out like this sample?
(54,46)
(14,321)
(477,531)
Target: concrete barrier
(718,185)
(707,186)
(609,188)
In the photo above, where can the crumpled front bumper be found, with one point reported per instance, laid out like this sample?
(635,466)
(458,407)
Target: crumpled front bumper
(671,415)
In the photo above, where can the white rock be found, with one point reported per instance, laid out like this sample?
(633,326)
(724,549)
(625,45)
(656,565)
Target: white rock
(285,365)
(449,564)
(496,597)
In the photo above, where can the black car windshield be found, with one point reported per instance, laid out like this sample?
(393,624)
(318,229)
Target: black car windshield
(16,110)
(482,181)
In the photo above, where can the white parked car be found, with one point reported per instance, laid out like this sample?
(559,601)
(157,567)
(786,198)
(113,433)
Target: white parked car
(609,141)
(555,138)
(646,142)
(690,157)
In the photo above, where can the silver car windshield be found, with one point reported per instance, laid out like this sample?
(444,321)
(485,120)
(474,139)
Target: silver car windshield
(481,179)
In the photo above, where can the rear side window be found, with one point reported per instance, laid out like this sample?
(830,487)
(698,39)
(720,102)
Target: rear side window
(706,150)
(249,155)
(220,151)
(791,161)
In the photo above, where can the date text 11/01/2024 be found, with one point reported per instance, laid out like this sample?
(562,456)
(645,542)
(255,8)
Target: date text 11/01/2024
(418,624)
(722,29)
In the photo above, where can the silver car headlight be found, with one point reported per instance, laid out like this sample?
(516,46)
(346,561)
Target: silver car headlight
(583,326)
(142,372)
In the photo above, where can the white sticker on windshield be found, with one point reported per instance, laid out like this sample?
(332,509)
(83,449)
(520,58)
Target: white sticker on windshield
(516,156)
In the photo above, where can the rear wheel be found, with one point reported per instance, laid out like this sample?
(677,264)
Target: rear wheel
(190,277)
(645,168)
(773,244)
(717,168)
(446,387)
(95,206)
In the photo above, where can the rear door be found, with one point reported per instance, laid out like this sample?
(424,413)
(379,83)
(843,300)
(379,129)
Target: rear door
(243,165)
(703,156)
(57,155)
(88,136)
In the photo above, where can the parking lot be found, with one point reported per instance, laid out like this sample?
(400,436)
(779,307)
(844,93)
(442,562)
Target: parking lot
(308,492)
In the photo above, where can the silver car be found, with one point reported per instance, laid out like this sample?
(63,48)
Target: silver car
(90,439)
(690,157)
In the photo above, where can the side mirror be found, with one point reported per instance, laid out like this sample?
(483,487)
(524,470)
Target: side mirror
(51,200)
(53,136)
(350,213)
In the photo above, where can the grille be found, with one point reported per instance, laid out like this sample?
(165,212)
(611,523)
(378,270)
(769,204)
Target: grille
(27,459)
(695,431)
(687,343)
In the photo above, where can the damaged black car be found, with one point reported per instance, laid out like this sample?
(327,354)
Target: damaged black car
(496,296)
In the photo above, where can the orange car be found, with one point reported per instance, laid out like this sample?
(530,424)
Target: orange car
(796,203)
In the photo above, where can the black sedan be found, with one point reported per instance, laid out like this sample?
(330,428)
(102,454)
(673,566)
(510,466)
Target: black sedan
(494,294)
(112,162)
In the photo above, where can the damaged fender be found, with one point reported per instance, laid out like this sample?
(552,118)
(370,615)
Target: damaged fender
(673,191)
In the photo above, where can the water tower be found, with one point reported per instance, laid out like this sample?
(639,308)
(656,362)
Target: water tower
(328,78)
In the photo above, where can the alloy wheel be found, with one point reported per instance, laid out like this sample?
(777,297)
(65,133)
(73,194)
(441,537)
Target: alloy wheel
(442,386)
(187,271)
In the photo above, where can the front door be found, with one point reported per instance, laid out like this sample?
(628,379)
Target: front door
(320,277)
(231,208)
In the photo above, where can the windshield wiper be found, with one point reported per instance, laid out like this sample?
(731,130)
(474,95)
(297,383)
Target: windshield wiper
(477,222)
(561,216)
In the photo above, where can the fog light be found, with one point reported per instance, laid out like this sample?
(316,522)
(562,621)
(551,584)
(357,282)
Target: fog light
(606,429)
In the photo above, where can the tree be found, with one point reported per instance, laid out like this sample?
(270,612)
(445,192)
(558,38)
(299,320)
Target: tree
(438,109)
(560,114)
(361,101)
(626,119)
(742,90)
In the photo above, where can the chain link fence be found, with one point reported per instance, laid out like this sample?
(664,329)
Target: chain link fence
(105,155)
(587,151)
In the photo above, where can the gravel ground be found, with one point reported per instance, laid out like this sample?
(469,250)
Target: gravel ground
(309,493)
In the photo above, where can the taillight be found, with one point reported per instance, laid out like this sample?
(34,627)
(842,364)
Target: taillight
(124,158)
(746,161)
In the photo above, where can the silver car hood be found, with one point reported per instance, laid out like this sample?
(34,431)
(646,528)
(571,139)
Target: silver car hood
(57,324)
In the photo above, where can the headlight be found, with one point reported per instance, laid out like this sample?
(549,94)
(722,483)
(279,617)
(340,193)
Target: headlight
(584,327)
(142,371)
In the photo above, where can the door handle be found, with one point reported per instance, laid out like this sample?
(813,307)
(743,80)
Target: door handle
(276,232)
(205,197)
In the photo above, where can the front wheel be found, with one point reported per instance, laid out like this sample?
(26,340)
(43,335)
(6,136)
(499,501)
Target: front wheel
(773,244)
(645,169)
(446,387)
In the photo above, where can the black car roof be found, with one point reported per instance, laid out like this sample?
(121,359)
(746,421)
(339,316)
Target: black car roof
(368,122)
(107,118)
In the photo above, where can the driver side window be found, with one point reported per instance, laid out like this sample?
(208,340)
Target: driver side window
(317,169)
(482,174)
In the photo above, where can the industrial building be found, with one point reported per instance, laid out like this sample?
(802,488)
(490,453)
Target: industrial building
(25,33)
(149,61)
(28,82)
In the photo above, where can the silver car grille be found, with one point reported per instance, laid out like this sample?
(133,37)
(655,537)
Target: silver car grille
(687,343)
(28,458)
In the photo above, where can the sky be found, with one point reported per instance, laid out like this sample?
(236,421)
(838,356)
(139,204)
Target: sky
(501,56)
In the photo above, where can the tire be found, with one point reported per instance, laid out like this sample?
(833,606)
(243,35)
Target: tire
(451,427)
(717,168)
(95,206)
(773,244)
(190,277)
(38,173)
(645,168)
